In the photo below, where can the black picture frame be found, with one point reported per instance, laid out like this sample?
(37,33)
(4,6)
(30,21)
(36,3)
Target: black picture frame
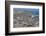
(7,3)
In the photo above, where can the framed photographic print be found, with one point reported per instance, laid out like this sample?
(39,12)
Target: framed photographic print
(24,17)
